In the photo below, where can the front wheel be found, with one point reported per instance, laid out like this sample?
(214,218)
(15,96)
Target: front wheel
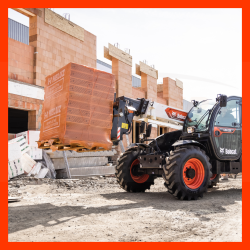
(128,175)
(187,173)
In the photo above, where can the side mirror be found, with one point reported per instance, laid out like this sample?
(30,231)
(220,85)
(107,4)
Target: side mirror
(142,127)
(222,99)
(148,130)
(195,103)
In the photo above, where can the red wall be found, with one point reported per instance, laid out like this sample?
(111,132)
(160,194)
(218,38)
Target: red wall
(56,48)
(20,61)
(138,93)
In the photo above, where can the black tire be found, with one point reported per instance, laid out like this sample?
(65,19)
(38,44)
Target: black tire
(174,172)
(213,182)
(123,173)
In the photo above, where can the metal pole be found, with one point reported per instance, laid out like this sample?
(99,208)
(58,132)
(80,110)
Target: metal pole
(66,164)
(128,143)
(121,146)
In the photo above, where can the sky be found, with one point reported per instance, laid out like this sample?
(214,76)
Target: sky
(201,47)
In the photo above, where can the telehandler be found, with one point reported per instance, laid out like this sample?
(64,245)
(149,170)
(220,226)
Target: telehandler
(189,160)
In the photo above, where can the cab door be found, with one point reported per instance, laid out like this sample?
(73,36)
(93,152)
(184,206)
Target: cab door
(227,127)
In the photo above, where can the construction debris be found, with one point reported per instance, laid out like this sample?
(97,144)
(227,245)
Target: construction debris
(20,161)
(17,149)
(27,163)
(14,168)
(42,173)
(34,171)
(31,138)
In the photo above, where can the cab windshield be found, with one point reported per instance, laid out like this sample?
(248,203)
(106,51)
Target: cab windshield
(198,116)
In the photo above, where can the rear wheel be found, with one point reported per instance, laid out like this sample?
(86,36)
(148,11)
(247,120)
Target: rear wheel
(187,173)
(214,179)
(128,176)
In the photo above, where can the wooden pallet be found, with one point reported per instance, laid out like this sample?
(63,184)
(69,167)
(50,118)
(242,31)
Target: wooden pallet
(55,144)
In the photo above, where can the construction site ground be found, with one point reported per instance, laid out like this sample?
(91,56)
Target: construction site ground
(97,209)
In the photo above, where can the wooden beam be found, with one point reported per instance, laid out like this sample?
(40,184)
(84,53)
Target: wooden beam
(24,12)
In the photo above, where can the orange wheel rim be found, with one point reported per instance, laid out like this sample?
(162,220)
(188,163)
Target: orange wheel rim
(138,179)
(193,173)
(213,177)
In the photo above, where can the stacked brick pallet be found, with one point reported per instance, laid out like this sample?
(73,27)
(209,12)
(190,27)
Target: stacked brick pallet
(78,109)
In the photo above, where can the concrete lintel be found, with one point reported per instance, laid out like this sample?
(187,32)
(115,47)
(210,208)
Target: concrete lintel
(25,83)
(31,91)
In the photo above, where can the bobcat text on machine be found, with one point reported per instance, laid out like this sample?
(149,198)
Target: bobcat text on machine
(189,160)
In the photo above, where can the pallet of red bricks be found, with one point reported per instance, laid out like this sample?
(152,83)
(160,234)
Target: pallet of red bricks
(78,109)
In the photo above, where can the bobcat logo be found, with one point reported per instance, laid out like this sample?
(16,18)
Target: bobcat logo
(231,152)
(228,151)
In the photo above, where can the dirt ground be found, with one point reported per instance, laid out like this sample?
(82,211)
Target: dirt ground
(97,209)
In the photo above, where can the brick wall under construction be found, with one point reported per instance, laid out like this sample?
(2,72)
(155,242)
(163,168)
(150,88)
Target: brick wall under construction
(51,47)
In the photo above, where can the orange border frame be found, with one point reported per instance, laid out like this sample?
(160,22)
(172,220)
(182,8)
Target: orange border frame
(128,4)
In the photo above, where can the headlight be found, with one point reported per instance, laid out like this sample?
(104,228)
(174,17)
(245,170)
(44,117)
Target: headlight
(190,130)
